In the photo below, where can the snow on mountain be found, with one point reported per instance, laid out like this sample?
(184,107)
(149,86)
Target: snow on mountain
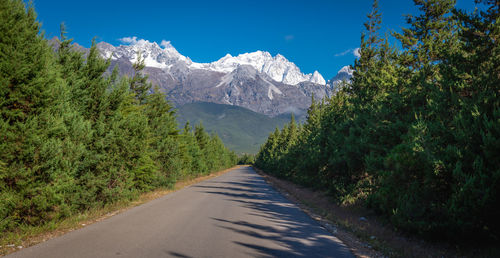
(257,81)
(267,84)
(346,70)
(277,67)
(317,78)
(164,56)
(154,55)
(344,74)
(271,89)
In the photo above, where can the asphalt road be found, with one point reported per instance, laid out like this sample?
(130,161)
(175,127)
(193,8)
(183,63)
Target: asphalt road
(234,215)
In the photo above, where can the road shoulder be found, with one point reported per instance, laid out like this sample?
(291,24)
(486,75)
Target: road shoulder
(311,203)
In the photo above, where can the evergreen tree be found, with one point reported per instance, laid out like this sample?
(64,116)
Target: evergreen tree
(164,137)
(35,159)
(416,131)
(139,83)
(74,137)
(194,153)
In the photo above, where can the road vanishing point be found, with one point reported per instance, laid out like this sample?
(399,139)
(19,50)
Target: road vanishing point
(237,214)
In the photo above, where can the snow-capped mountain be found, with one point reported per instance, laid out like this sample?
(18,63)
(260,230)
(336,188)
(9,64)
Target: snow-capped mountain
(277,67)
(267,84)
(164,56)
(153,54)
(343,75)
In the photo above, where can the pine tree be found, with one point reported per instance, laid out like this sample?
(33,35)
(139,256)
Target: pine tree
(139,83)
(471,75)
(194,153)
(416,132)
(73,136)
(163,134)
(37,153)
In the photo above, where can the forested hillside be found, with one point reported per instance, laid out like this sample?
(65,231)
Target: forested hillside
(416,133)
(73,137)
(240,129)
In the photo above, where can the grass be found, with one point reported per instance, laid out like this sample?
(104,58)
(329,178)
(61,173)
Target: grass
(25,236)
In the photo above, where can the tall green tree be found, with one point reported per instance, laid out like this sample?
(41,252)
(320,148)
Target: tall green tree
(37,153)
(75,137)
(416,132)
(139,83)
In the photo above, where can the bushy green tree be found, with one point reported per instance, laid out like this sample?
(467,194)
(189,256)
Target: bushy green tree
(37,148)
(416,132)
(74,136)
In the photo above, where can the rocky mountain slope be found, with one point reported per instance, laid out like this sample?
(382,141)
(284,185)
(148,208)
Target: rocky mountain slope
(257,81)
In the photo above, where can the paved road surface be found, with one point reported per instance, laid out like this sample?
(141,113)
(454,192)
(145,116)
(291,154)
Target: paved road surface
(235,215)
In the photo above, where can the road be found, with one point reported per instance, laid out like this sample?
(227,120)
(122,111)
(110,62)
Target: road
(234,215)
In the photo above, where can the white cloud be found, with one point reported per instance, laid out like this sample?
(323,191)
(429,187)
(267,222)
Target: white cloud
(289,37)
(165,43)
(132,40)
(353,51)
(294,110)
(128,40)
(344,53)
(356,52)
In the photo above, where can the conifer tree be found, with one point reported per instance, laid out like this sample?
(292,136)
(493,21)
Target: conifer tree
(163,134)
(416,132)
(75,137)
(35,169)
(139,83)
(194,153)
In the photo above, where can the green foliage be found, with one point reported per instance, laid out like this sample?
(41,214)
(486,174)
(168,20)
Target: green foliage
(73,137)
(240,129)
(246,159)
(416,133)
(139,84)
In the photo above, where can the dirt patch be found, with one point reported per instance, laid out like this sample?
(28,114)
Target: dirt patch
(366,234)
(26,237)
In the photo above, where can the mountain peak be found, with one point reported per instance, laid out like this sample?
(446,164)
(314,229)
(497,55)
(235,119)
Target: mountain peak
(317,78)
(160,56)
(344,74)
(280,57)
(165,55)
(166,44)
(347,70)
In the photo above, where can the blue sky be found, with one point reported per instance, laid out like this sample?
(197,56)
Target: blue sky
(314,34)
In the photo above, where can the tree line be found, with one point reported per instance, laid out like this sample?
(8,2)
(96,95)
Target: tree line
(415,134)
(75,137)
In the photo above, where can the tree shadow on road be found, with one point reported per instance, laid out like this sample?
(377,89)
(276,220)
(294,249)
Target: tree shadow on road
(278,222)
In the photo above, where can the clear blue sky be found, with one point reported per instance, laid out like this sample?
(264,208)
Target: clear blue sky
(314,34)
